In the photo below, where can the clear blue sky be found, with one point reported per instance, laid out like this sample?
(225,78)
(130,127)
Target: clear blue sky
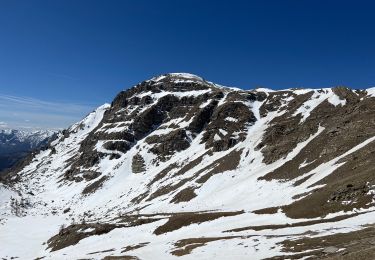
(79,54)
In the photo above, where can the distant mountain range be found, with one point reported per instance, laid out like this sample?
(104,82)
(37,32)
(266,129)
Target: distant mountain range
(16,144)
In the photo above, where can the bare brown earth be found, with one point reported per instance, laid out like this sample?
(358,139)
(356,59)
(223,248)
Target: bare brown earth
(180,220)
(133,247)
(104,251)
(124,257)
(186,246)
(226,163)
(184,195)
(297,224)
(342,185)
(272,210)
(72,234)
(344,128)
(354,245)
(91,188)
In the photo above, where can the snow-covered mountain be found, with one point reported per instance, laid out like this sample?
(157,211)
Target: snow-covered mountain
(181,168)
(16,144)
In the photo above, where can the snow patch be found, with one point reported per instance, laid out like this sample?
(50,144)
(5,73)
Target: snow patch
(231,119)
(316,99)
(371,92)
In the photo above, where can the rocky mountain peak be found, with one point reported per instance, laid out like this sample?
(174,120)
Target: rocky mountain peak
(176,151)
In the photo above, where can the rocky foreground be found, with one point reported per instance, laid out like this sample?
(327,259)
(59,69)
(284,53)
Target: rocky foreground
(181,168)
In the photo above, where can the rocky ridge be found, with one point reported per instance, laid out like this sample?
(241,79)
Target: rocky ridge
(179,167)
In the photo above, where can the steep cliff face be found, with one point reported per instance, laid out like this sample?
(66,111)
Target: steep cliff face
(178,167)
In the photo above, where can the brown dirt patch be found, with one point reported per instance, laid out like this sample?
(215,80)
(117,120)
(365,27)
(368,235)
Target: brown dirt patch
(346,188)
(189,166)
(124,257)
(91,188)
(168,189)
(298,224)
(137,220)
(184,195)
(272,210)
(345,127)
(72,234)
(186,246)
(163,173)
(226,163)
(134,247)
(179,220)
(104,251)
(357,245)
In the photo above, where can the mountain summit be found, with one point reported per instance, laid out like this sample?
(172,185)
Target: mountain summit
(179,167)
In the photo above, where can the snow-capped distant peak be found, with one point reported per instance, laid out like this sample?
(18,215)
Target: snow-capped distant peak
(32,137)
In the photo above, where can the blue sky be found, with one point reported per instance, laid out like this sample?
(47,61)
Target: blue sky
(67,57)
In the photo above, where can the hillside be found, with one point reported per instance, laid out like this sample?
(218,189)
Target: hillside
(177,167)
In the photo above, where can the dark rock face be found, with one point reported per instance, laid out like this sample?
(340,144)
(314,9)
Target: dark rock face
(203,117)
(121,146)
(90,175)
(165,145)
(138,164)
(232,118)
(136,113)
